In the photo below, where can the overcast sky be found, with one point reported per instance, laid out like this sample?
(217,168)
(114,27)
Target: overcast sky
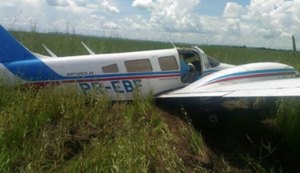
(254,23)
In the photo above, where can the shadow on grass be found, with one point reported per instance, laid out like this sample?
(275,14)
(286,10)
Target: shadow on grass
(247,137)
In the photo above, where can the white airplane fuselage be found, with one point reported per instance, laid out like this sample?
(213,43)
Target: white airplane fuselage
(117,75)
(120,75)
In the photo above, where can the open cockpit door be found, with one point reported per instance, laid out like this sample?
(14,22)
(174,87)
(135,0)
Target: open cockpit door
(195,64)
(207,62)
(190,65)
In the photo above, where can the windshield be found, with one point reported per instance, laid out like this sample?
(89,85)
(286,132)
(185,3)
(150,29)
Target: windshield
(213,62)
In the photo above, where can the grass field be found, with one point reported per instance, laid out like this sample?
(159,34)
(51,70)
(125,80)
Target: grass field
(58,131)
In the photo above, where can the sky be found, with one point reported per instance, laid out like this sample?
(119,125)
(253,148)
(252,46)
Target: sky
(251,23)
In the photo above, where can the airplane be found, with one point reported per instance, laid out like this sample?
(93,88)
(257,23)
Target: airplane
(117,75)
(175,73)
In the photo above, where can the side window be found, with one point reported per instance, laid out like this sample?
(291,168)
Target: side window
(140,65)
(113,68)
(168,63)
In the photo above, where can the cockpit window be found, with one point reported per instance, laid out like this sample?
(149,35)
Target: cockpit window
(213,62)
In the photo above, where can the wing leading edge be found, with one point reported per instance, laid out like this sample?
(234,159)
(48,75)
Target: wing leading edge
(270,88)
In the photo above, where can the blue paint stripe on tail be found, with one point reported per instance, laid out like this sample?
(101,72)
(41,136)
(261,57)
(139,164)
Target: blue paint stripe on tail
(11,49)
(21,62)
(32,70)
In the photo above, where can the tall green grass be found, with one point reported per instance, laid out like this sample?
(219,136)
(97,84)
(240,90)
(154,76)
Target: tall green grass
(67,45)
(288,125)
(60,131)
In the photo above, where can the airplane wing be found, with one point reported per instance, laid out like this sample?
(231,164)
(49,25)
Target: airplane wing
(269,88)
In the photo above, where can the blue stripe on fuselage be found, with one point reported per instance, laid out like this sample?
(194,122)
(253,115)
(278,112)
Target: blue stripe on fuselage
(35,70)
(32,70)
(247,73)
(278,70)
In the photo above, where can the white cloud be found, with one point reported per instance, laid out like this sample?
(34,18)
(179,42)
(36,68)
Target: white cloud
(66,3)
(174,16)
(261,23)
(110,25)
(142,4)
(60,3)
(35,3)
(233,10)
(233,26)
(274,18)
(77,6)
(106,5)
(81,3)
(5,4)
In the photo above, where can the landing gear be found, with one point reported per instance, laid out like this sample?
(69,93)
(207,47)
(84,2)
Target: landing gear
(210,115)
(213,118)
(210,118)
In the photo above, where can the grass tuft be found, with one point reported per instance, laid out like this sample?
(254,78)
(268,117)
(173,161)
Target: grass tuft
(288,124)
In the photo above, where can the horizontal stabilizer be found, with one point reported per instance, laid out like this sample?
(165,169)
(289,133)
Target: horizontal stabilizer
(88,49)
(49,51)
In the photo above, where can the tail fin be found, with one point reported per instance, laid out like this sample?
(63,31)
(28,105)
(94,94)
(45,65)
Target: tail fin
(11,49)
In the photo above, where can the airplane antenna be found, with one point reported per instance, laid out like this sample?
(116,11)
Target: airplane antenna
(294,43)
(49,51)
(88,49)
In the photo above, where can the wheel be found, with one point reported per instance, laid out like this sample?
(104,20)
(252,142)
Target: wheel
(204,115)
(213,118)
